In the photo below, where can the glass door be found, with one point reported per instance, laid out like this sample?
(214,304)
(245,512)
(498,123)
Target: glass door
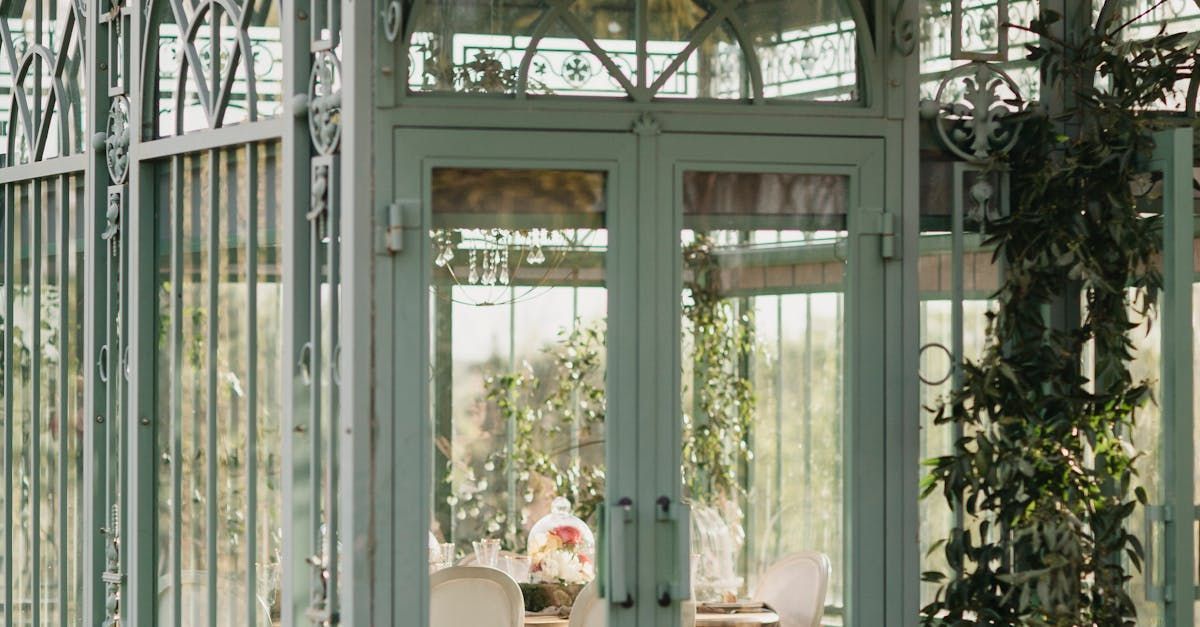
(528,262)
(774,268)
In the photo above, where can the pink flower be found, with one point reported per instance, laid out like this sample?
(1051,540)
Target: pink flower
(568,534)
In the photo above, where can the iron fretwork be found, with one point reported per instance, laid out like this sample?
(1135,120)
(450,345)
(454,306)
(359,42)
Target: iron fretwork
(323,108)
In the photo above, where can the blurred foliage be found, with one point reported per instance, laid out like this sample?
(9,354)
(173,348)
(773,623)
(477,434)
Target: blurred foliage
(1046,469)
(714,436)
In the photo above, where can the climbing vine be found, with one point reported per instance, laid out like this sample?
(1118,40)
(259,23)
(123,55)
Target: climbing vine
(722,338)
(1046,472)
(556,409)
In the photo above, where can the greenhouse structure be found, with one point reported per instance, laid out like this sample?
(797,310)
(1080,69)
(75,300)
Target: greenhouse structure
(584,313)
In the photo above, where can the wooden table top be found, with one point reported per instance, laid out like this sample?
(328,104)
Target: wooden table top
(703,619)
(741,619)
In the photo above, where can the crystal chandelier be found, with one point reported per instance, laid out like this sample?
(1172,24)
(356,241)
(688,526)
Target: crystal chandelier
(490,252)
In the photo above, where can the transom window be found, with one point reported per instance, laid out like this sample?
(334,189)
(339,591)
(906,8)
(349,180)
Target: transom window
(642,49)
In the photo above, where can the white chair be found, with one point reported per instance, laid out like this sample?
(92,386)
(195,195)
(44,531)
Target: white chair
(592,611)
(795,587)
(475,596)
(589,609)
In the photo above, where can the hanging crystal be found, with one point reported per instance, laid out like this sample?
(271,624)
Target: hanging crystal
(537,257)
(447,247)
(504,267)
(473,276)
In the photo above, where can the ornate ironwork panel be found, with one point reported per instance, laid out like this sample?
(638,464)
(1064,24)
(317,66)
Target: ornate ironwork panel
(684,49)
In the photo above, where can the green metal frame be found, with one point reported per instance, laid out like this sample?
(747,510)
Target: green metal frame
(1174,159)
(644,283)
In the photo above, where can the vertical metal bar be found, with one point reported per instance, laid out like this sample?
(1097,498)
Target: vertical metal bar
(211,455)
(94,512)
(957,252)
(64,360)
(316,362)
(807,408)
(443,407)
(331,490)
(10,228)
(299,515)
(252,231)
(510,429)
(35,411)
(124,436)
(1174,149)
(777,510)
(176,417)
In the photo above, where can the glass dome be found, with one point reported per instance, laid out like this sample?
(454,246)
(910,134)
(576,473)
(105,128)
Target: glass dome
(561,547)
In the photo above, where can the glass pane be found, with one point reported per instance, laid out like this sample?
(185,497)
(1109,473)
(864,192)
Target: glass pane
(518,353)
(249,64)
(763,377)
(803,50)
(219,405)
(478,47)
(982,24)
(24,335)
(44,23)
(40,339)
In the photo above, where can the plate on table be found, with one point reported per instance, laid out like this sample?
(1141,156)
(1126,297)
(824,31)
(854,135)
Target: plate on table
(731,608)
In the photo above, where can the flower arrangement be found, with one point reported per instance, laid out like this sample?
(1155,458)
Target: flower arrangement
(561,558)
(561,548)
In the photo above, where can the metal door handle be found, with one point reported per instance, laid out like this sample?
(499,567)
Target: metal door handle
(1155,592)
(679,516)
(620,516)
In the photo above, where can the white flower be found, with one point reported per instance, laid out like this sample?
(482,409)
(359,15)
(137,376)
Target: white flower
(562,566)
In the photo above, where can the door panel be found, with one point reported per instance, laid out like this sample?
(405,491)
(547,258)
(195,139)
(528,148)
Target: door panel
(698,303)
(780,318)
(527,260)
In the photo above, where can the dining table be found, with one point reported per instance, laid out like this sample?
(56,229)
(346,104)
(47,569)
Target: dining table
(750,618)
(755,618)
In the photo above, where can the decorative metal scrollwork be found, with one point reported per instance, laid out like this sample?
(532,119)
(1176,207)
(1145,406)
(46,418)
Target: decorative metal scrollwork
(44,106)
(949,358)
(393,15)
(646,125)
(319,212)
(112,218)
(116,140)
(904,30)
(325,102)
(976,125)
(112,576)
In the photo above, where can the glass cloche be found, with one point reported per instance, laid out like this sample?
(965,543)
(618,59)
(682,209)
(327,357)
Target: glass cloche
(561,547)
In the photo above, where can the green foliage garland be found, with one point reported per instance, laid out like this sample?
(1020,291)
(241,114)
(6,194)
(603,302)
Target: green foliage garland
(714,439)
(1045,470)
(558,419)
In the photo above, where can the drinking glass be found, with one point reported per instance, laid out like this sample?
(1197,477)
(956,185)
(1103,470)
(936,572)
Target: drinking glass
(487,552)
(517,567)
(447,556)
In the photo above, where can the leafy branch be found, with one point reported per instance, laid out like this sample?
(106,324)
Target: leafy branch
(1045,472)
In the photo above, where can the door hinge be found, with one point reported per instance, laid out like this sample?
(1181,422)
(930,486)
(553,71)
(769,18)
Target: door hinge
(883,224)
(400,215)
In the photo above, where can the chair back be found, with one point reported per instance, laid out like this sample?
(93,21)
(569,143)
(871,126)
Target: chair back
(475,596)
(795,587)
(589,609)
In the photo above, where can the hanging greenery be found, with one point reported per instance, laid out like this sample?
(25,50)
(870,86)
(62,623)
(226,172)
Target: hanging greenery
(557,447)
(557,408)
(1045,473)
(722,338)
